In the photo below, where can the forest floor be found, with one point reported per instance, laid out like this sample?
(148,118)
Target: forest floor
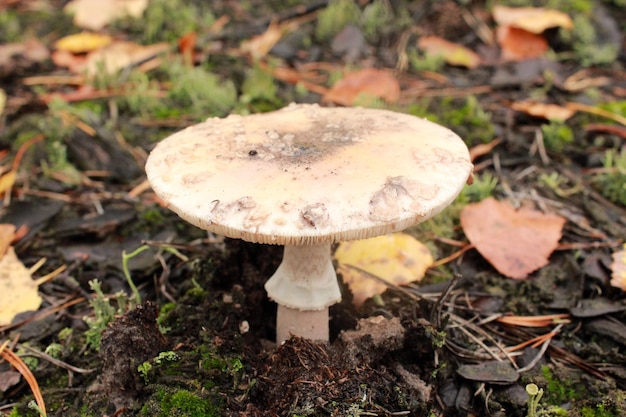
(145,315)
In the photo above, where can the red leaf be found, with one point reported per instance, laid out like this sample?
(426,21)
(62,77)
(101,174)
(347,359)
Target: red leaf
(518,44)
(515,242)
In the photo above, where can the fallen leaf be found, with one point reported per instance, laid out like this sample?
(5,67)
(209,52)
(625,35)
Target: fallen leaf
(452,53)
(260,45)
(82,42)
(515,242)
(618,268)
(30,51)
(531,19)
(483,149)
(362,85)
(96,14)
(544,110)
(186,46)
(518,44)
(119,55)
(8,379)
(398,258)
(7,234)
(18,291)
(6,181)
(73,62)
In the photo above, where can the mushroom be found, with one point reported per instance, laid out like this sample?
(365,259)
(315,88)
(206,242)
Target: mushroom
(305,177)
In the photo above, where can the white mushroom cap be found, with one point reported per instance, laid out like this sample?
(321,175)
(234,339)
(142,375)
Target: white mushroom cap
(308,175)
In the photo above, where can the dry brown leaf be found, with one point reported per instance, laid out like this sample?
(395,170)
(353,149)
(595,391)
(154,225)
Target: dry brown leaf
(518,44)
(119,55)
(96,14)
(483,149)
(515,242)
(18,291)
(260,45)
(75,63)
(363,85)
(547,111)
(452,53)
(398,258)
(531,19)
(618,268)
(82,42)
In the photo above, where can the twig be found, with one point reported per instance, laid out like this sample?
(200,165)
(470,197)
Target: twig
(23,369)
(42,355)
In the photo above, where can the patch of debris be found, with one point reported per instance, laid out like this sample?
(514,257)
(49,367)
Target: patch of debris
(356,374)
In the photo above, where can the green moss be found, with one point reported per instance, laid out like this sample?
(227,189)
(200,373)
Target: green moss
(167,21)
(617,107)
(379,18)
(425,62)
(465,116)
(200,92)
(164,315)
(153,216)
(335,17)
(558,392)
(598,411)
(183,403)
(259,91)
(10,26)
(612,182)
(141,96)
(557,135)
(588,45)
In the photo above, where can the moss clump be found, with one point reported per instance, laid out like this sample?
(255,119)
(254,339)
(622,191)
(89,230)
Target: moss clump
(558,391)
(182,403)
(259,92)
(557,135)
(465,116)
(167,21)
(599,410)
(335,17)
(612,182)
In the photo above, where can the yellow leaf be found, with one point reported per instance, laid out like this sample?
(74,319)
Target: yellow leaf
(398,258)
(7,233)
(452,53)
(18,291)
(6,181)
(82,42)
(532,19)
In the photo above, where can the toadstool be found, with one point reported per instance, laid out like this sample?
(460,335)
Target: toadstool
(305,177)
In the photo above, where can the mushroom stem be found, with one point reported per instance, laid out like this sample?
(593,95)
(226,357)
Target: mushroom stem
(304,284)
(312,324)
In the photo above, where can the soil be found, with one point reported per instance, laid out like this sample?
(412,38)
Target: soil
(201,341)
